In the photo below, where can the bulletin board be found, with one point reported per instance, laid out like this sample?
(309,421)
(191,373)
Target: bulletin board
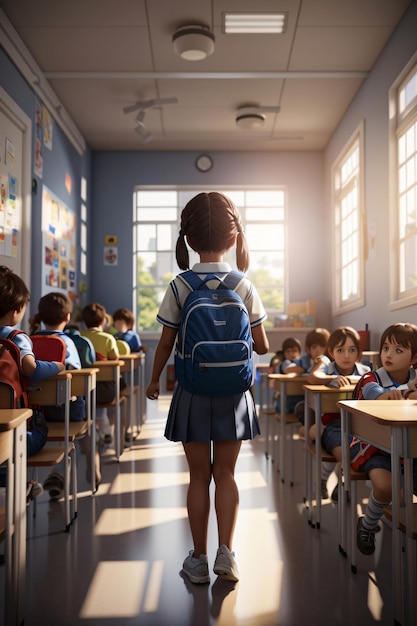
(11,187)
(58,245)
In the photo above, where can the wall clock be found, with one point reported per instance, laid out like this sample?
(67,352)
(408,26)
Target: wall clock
(204,163)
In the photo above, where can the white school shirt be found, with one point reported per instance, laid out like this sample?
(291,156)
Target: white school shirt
(169,313)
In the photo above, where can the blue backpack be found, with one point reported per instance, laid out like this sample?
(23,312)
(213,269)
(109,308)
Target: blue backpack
(213,353)
(84,346)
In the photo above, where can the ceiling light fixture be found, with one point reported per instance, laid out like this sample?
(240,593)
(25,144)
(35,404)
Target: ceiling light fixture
(250,121)
(254,23)
(251,116)
(194,42)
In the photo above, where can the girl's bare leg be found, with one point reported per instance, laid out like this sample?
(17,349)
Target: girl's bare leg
(225,455)
(198,497)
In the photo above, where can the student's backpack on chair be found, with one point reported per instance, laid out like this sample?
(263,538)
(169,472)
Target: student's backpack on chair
(84,346)
(213,353)
(13,392)
(12,381)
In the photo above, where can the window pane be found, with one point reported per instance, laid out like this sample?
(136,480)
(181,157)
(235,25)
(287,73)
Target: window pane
(347,228)
(157,226)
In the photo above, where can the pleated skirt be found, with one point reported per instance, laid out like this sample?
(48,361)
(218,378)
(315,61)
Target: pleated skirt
(202,418)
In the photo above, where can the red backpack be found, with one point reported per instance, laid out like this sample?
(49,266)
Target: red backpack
(13,385)
(366,450)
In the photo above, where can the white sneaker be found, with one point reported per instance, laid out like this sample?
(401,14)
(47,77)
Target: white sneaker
(225,565)
(196,569)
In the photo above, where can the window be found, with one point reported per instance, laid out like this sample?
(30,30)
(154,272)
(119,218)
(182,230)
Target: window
(403,100)
(348,214)
(156,228)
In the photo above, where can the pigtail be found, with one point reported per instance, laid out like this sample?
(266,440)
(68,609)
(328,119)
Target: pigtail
(181,252)
(35,324)
(242,252)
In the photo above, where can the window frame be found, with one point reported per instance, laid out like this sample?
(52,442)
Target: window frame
(339,305)
(399,123)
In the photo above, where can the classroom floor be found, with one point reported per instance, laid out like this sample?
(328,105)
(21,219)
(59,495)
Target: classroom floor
(120,563)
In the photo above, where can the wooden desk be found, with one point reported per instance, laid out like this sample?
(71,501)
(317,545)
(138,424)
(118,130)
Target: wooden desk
(287,384)
(373,357)
(321,399)
(132,363)
(13,450)
(56,391)
(263,369)
(109,370)
(391,425)
(83,383)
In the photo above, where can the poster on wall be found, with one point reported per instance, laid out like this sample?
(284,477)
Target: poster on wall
(9,215)
(38,162)
(58,244)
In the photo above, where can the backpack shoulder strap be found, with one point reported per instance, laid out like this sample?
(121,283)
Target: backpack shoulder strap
(12,334)
(192,280)
(232,280)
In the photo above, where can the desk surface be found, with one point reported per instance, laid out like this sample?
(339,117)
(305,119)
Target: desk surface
(394,412)
(298,378)
(11,418)
(327,389)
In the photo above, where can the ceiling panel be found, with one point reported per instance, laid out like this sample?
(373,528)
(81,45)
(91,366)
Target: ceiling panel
(121,52)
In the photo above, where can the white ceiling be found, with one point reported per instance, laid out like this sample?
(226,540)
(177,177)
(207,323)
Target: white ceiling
(102,55)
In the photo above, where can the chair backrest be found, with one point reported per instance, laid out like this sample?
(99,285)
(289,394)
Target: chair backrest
(49,348)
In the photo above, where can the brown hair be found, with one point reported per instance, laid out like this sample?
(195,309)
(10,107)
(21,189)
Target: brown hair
(405,334)
(13,291)
(290,342)
(53,308)
(211,221)
(93,315)
(317,337)
(340,336)
(125,315)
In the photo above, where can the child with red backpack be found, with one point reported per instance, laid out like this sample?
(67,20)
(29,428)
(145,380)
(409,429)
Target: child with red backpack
(344,349)
(395,380)
(14,296)
(54,313)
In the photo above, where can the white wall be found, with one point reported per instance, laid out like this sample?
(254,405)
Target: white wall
(371,106)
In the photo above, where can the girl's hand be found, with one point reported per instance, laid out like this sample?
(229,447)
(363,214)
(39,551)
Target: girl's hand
(341,381)
(60,366)
(152,392)
(392,394)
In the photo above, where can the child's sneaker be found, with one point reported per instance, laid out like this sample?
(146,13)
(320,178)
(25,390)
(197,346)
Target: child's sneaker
(324,492)
(55,485)
(196,569)
(365,539)
(225,565)
(33,490)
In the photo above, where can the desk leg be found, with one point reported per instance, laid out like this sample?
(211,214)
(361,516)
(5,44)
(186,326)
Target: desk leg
(317,418)
(283,394)
(396,441)
(410,572)
(16,511)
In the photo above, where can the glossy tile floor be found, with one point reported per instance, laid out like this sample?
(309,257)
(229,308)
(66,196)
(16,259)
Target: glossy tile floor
(120,562)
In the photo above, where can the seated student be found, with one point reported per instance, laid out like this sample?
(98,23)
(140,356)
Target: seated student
(291,364)
(315,353)
(345,351)
(54,312)
(14,296)
(123,322)
(395,380)
(95,319)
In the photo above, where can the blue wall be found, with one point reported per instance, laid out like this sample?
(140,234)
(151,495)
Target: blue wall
(115,175)
(59,162)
